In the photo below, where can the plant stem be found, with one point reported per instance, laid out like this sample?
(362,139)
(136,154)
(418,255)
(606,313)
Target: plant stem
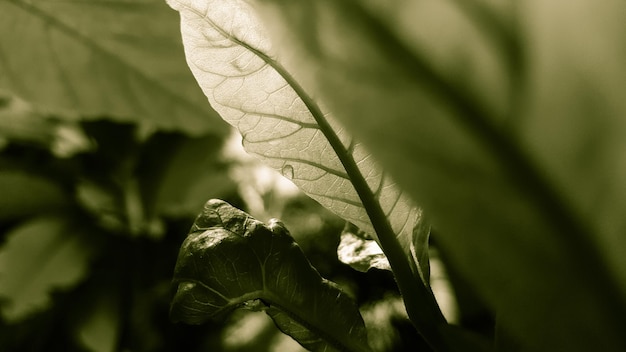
(419,300)
(420,303)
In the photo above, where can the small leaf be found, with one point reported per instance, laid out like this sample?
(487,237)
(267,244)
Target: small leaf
(359,252)
(96,57)
(230,260)
(363,253)
(41,255)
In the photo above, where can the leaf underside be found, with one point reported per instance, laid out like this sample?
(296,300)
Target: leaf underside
(228,51)
(230,260)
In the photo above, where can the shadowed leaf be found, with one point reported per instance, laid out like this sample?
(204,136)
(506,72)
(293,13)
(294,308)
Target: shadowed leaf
(230,260)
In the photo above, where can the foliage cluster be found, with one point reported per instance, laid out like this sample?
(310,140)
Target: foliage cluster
(489,133)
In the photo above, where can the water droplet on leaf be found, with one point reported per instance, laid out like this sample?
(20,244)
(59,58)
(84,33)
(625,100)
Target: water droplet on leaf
(287,171)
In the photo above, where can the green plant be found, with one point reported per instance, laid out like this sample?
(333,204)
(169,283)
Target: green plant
(503,121)
(485,123)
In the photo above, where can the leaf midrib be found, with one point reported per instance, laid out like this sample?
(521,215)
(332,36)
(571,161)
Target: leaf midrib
(271,299)
(420,301)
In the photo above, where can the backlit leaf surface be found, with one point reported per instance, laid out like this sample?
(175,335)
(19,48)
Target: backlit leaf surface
(232,59)
(230,260)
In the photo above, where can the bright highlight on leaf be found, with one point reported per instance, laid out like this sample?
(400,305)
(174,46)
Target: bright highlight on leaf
(232,59)
(360,252)
(230,260)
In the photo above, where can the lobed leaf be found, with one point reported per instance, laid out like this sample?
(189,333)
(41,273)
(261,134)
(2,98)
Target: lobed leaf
(114,58)
(505,121)
(230,260)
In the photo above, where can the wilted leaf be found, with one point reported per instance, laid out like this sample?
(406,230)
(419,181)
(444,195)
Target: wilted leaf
(507,125)
(41,255)
(230,55)
(230,260)
(96,57)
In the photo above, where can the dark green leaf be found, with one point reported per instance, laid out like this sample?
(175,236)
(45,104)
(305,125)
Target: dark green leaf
(101,329)
(177,174)
(231,260)
(515,151)
(25,194)
(117,58)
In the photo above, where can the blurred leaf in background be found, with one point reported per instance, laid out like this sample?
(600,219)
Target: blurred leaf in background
(93,58)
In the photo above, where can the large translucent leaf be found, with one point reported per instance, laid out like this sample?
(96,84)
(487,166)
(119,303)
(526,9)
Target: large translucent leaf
(231,57)
(39,256)
(230,260)
(98,57)
(505,121)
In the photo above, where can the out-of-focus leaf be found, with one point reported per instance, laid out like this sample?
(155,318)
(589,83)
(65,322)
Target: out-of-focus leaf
(507,125)
(177,174)
(379,318)
(121,59)
(24,194)
(363,253)
(100,332)
(102,203)
(39,256)
(359,252)
(230,260)
(232,59)
(20,123)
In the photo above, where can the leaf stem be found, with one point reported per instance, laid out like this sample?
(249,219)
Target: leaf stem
(419,300)
(575,235)
(420,303)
